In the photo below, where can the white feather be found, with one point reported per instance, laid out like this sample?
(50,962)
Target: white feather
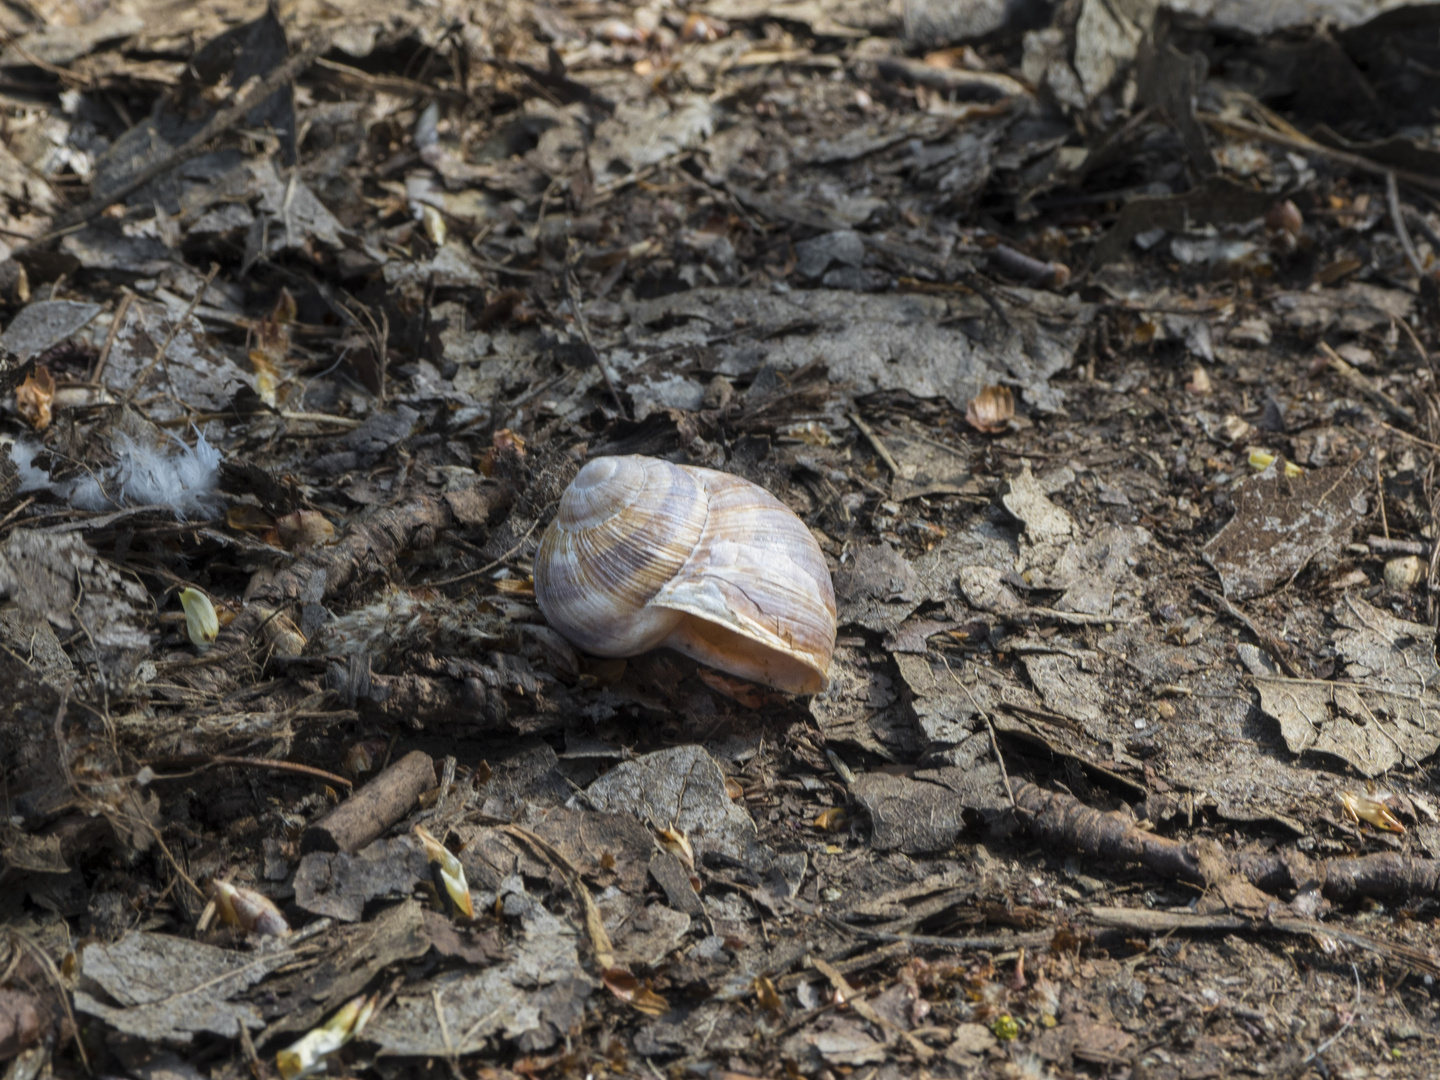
(183,479)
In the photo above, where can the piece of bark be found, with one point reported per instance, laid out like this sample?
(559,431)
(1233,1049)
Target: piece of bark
(374,808)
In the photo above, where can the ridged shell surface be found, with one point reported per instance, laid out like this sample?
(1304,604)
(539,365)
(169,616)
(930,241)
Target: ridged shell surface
(624,527)
(756,572)
(644,553)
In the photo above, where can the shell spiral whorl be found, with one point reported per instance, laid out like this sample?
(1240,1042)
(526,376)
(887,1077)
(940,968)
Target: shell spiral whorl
(644,553)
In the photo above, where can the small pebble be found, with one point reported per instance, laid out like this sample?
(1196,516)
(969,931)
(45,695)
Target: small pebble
(1405,572)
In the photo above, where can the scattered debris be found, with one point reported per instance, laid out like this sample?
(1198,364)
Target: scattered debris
(1089,350)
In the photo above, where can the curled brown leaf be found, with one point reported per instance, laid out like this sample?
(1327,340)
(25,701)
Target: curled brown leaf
(34,395)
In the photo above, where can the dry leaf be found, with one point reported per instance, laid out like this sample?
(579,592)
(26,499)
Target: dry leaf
(272,349)
(33,397)
(243,517)
(832,819)
(633,992)
(991,410)
(768,996)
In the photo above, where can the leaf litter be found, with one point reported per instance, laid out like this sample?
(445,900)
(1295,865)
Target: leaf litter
(1092,342)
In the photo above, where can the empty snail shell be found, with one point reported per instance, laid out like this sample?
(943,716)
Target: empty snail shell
(643,553)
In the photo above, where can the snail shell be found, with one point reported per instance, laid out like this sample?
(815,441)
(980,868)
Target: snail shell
(643,553)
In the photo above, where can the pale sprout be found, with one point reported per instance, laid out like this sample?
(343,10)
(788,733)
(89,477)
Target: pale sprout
(1260,460)
(308,1054)
(201,622)
(253,912)
(451,874)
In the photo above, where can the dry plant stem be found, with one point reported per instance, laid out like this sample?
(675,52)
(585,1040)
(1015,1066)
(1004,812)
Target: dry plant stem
(488,566)
(221,122)
(1415,341)
(115,324)
(594,924)
(1380,493)
(1383,545)
(1362,384)
(1035,940)
(374,808)
(1397,219)
(1248,130)
(1277,648)
(221,760)
(876,444)
(1412,438)
(573,295)
(989,726)
(867,1012)
(1073,618)
(1147,921)
(1421,223)
(1354,1012)
(175,328)
(53,974)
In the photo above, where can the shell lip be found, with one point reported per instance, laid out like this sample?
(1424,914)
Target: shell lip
(816,661)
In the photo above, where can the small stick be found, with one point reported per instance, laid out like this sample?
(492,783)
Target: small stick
(1421,222)
(1383,545)
(488,566)
(1415,341)
(1035,940)
(1047,275)
(1354,1012)
(874,440)
(994,745)
(1380,492)
(1309,146)
(1397,219)
(115,324)
(1406,435)
(159,357)
(572,294)
(266,763)
(1355,379)
(1269,640)
(374,808)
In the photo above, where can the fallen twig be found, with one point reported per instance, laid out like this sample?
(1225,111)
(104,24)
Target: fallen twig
(876,444)
(374,808)
(1277,648)
(1309,146)
(1362,384)
(1064,821)
(572,294)
(1397,220)
(1383,545)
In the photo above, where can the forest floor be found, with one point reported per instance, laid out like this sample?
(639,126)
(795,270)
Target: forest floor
(1094,342)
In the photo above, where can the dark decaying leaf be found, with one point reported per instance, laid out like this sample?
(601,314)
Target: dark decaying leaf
(168,989)
(1281,523)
